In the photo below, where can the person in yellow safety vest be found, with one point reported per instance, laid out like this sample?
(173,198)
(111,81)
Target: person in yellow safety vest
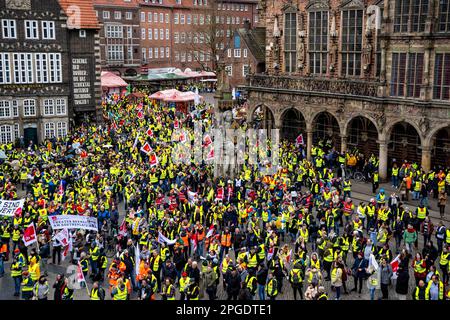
(168,291)
(422,213)
(394,176)
(272,287)
(194,290)
(120,292)
(416,190)
(420,270)
(296,280)
(35,271)
(184,285)
(304,233)
(375,182)
(97,292)
(347,188)
(16,274)
(444,262)
(16,235)
(252,259)
(420,292)
(94,254)
(328,258)
(27,286)
(251,283)
(435,289)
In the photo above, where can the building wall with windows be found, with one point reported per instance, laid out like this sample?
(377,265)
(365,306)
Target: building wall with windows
(184,43)
(369,74)
(38,89)
(119,35)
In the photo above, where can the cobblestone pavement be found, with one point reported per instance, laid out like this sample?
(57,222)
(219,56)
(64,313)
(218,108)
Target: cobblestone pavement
(360,191)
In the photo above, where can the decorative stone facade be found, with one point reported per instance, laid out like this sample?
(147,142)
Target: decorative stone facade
(370,88)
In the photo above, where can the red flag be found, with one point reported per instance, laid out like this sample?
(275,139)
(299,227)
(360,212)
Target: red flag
(146,148)
(394,264)
(80,275)
(150,132)
(123,228)
(182,137)
(210,231)
(207,141)
(139,106)
(84,154)
(220,193)
(29,235)
(153,160)
(121,122)
(140,115)
(210,155)
(61,189)
(176,125)
(299,139)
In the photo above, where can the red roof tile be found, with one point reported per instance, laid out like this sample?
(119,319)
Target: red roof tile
(117,3)
(88,19)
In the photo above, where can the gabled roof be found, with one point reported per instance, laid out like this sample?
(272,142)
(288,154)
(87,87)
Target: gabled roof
(255,39)
(117,3)
(87,19)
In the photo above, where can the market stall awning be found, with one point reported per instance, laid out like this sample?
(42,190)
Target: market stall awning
(174,95)
(111,80)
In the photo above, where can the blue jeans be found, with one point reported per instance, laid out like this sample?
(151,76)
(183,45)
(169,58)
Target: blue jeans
(2,267)
(200,246)
(424,201)
(372,294)
(94,267)
(261,292)
(395,181)
(415,195)
(338,292)
(17,282)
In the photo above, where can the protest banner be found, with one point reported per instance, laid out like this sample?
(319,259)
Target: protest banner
(10,207)
(73,222)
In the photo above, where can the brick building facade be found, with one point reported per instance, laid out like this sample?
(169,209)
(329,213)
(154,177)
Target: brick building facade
(183,33)
(38,41)
(119,36)
(368,74)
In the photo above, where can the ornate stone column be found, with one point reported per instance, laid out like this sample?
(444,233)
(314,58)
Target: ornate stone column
(343,143)
(426,158)
(382,170)
(309,142)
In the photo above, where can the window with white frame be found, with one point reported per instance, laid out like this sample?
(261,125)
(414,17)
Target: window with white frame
(16,131)
(41,67)
(183,57)
(31,29)
(15,108)
(167,52)
(161,17)
(48,30)
(176,37)
(23,67)
(177,56)
(117,15)
(156,53)
(142,16)
(61,129)
(143,33)
(167,18)
(150,34)
(237,53)
(9,29)
(167,34)
(150,53)
(29,108)
(189,57)
(176,18)
(202,19)
(82,33)
(182,19)
(115,52)
(161,52)
(129,32)
(245,52)
(55,67)
(229,70)
(149,17)
(105,14)
(161,34)
(115,31)
(5,109)
(202,56)
(318,42)
(5,68)
(229,53)
(49,107)
(195,19)
(6,134)
(156,34)
(129,15)
(189,19)
(183,37)
(155,17)
(144,54)
(49,131)
(61,108)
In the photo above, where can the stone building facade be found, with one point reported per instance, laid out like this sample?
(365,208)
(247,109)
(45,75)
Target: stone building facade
(368,74)
(36,83)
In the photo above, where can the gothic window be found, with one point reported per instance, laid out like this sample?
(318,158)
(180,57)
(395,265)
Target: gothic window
(406,75)
(290,41)
(318,42)
(410,15)
(352,29)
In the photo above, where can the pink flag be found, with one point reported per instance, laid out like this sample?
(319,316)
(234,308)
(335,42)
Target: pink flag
(207,141)
(123,228)
(299,139)
(80,275)
(183,137)
(140,115)
(210,155)
(176,125)
(29,235)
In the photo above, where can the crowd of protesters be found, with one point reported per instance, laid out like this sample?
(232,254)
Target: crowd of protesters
(187,233)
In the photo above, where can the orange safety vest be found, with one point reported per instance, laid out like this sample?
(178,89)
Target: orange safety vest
(226,240)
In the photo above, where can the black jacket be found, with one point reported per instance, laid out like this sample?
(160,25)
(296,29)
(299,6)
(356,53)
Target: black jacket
(261,276)
(401,286)
(233,283)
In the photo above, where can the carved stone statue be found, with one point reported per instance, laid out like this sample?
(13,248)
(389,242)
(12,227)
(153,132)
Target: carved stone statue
(367,54)
(301,53)
(333,55)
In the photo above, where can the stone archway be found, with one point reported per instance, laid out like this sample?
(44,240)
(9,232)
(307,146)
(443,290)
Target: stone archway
(440,148)
(293,124)
(362,134)
(404,142)
(262,117)
(326,128)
